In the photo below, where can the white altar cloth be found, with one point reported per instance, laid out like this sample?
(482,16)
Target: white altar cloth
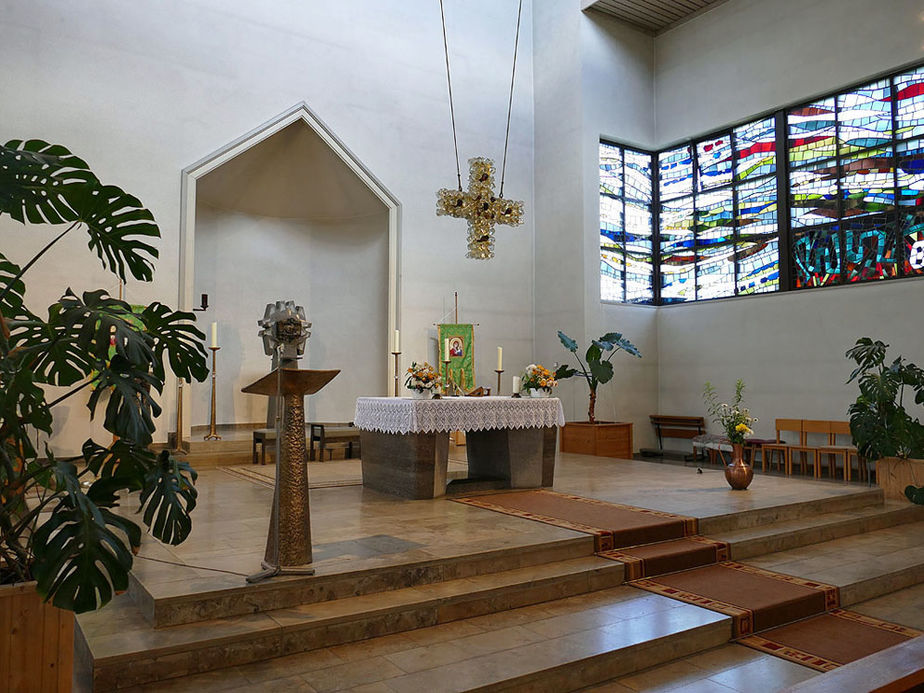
(406,415)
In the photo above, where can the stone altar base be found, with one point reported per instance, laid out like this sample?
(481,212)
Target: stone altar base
(414,465)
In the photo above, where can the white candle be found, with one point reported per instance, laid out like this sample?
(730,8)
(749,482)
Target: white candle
(500,358)
(516,384)
(397,341)
(446,349)
(214,334)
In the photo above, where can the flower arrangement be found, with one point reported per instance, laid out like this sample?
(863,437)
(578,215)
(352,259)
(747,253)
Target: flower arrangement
(538,377)
(733,418)
(422,377)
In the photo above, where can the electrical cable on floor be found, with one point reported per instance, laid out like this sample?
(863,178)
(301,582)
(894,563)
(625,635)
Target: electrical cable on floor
(187,565)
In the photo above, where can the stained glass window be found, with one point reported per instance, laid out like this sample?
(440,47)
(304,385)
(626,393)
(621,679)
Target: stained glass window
(816,257)
(675,172)
(812,132)
(909,96)
(626,263)
(714,159)
(678,257)
(755,149)
(864,117)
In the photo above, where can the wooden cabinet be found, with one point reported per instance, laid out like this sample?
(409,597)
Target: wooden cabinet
(604,439)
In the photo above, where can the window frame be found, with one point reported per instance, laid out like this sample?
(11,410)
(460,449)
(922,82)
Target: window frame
(785,232)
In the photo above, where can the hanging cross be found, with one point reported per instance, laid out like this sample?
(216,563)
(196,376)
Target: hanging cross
(479,206)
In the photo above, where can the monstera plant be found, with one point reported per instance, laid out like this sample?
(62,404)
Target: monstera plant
(597,367)
(58,520)
(880,425)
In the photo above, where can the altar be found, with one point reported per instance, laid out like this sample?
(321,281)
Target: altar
(405,442)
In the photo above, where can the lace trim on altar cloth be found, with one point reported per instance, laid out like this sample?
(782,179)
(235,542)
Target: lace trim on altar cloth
(399,415)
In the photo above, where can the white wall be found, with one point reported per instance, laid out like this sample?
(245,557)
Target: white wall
(142,90)
(337,271)
(742,58)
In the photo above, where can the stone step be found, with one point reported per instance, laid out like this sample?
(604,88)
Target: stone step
(165,609)
(121,649)
(758,517)
(560,645)
(803,531)
(862,566)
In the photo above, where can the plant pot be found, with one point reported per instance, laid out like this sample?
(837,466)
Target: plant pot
(738,473)
(421,394)
(894,474)
(40,638)
(601,438)
(539,393)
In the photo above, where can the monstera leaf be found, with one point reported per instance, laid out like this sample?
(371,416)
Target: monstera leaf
(12,289)
(80,549)
(131,409)
(123,460)
(118,227)
(177,339)
(168,498)
(100,324)
(36,179)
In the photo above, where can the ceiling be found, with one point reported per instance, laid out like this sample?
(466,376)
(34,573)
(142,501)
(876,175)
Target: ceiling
(652,16)
(292,174)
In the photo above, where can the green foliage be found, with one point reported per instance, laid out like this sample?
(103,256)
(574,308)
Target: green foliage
(596,368)
(735,420)
(879,423)
(54,528)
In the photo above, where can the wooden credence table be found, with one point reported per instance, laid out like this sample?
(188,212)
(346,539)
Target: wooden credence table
(405,442)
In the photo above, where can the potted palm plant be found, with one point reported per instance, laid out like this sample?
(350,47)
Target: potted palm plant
(63,546)
(883,431)
(592,437)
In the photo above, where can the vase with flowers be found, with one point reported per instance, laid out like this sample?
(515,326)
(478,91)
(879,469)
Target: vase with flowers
(736,421)
(422,380)
(537,380)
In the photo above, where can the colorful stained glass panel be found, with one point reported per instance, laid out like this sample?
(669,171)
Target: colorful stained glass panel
(612,274)
(812,132)
(870,248)
(715,245)
(911,173)
(865,117)
(813,195)
(755,149)
(816,257)
(913,244)
(610,169)
(639,264)
(758,265)
(714,162)
(868,183)
(638,176)
(676,172)
(909,94)
(678,258)
(757,208)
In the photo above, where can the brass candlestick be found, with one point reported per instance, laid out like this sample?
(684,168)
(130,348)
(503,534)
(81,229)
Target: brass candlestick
(449,386)
(213,432)
(396,354)
(499,372)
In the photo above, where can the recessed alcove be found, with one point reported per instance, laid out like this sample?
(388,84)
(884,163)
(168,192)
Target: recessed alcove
(287,213)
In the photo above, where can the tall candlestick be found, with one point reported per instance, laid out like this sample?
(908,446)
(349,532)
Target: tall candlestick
(500,358)
(396,354)
(499,373)
(213,430)
(214,335)
(397,348)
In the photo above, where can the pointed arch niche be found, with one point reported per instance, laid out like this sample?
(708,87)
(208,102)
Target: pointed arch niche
(288,212)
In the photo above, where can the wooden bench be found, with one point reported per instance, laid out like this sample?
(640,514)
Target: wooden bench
(328,436)
(666,426)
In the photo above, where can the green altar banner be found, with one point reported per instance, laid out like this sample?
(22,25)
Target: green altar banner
(461,339)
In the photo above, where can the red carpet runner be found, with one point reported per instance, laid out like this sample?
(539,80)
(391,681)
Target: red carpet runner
(782,615)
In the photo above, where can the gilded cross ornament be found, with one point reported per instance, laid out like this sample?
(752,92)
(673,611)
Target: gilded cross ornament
(480,208)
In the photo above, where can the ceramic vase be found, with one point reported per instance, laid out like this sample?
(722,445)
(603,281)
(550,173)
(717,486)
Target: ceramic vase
(421,394)
(538,392)
(738,473)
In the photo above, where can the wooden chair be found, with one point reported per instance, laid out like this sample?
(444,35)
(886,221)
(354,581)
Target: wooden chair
(804,448)
(781,447)
(832,450)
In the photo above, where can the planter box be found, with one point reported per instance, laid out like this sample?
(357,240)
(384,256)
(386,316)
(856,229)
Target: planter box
(604,438)
(893,474)
(36,642)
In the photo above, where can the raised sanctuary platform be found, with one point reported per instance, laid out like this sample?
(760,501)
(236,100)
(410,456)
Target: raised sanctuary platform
(440,595)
